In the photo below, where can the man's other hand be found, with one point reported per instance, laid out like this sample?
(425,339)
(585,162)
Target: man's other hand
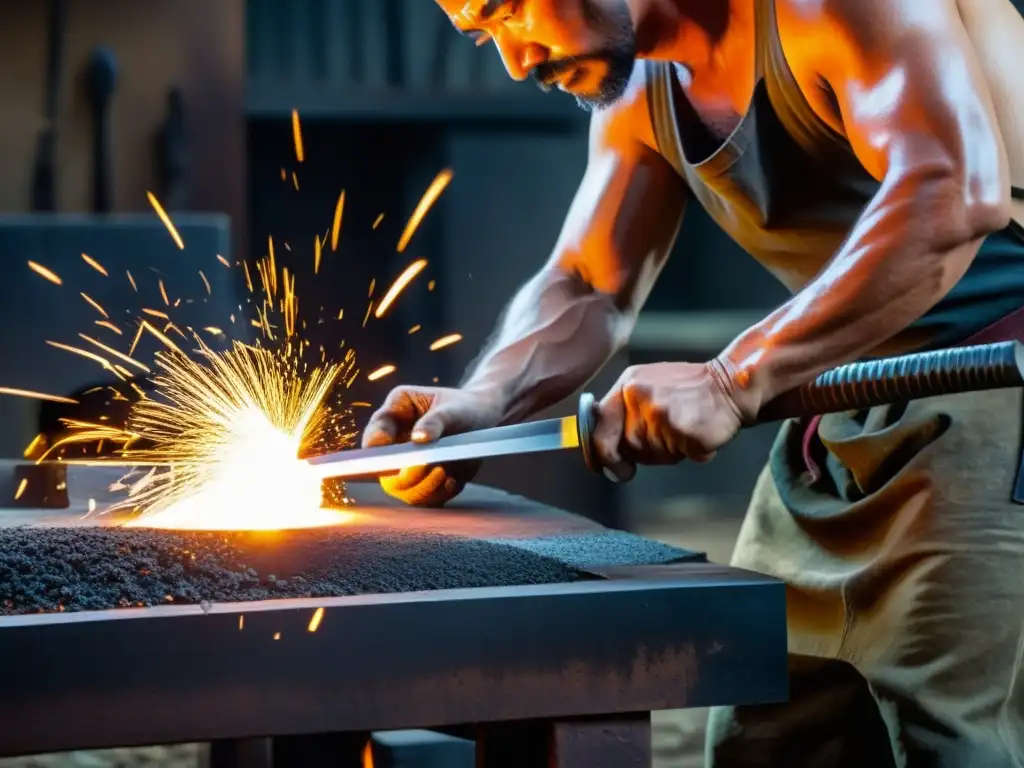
(662,414)
(422,415)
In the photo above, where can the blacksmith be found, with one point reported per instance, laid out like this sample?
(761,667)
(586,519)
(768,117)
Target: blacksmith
(865,152)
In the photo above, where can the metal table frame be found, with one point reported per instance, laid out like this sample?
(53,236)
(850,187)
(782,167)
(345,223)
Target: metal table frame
(562,675)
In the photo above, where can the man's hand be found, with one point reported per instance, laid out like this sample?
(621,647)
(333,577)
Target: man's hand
(665,413)
(422,415)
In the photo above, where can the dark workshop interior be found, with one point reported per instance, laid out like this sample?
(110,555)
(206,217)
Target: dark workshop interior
(105,102)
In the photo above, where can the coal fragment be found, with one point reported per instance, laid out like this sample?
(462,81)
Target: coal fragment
(76,569)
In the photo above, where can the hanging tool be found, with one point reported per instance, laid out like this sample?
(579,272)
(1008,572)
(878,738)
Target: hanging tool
(101,80)
(172,154)
(44,182)
(854,386)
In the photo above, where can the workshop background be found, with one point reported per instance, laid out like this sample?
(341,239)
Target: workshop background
(192,100)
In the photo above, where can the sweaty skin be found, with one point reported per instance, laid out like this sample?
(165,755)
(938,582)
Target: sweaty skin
(927,95)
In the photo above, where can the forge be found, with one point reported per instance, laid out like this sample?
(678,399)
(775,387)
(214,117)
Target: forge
(493,612)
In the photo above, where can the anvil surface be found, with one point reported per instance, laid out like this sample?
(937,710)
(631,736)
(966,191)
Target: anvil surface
(606,624)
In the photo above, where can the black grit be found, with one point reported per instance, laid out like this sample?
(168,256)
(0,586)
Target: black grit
(79,569)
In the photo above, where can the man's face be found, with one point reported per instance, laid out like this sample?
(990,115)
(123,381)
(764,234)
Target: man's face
(583,47)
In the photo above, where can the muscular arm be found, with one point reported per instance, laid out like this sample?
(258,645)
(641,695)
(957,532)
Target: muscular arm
(918,114)
(574,314)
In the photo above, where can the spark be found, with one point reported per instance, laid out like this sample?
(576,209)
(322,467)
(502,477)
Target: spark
(378,220)
(380,373)
(94,304)
(103,362)
(446,341)
(45,273)
(94,264)
(166,220)
(206,283)
(366,317)
(110,325)
(236,415)
(132,281)
(368,755)
(277,635)
(295,183)
(297,136)
(119,355)
(135,341)
(163,293)
(223,261)
(373,284)
(414,329)
(92,506)
(341,313)
(314,622)
(32,395)
(437,186)
(339,208)
(31,447)
(430,285)
(214,330)
(317,253)
(21,488)
(241,622)
(155,313)
(403,280)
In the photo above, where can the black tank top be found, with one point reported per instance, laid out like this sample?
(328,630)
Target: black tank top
(788,189)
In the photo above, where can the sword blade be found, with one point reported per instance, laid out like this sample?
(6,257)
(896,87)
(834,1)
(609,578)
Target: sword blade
(531,437)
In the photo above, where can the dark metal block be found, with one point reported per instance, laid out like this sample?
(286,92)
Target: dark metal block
(709,635)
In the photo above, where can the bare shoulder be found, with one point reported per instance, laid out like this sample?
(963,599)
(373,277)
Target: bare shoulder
(988,34)
(626,124)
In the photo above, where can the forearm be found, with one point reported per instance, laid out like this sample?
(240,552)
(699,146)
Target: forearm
(556,334)
(910,247)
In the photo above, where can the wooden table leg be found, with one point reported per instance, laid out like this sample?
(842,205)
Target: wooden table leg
(617,741)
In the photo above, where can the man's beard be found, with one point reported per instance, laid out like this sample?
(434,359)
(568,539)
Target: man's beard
(619,56)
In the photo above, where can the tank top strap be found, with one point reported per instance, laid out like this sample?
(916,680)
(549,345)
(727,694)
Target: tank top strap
(789,102)
(661,106)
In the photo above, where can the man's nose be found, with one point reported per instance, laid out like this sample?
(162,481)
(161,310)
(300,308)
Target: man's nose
(520,59)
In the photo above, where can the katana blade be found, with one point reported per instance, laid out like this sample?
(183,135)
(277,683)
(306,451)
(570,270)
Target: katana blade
(531,437)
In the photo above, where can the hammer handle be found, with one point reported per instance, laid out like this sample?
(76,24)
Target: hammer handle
(872,382)
(907,377)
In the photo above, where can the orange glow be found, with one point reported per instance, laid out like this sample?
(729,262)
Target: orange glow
(166,220)
(32,395)
(45,273)
(339,209)
(368,755)
(94,304)
(297,136)
(314,622)
(400,284)
(437,186)
(94,264)
(380,373)
(446,341)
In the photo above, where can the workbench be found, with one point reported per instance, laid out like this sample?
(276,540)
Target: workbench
(561,672)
